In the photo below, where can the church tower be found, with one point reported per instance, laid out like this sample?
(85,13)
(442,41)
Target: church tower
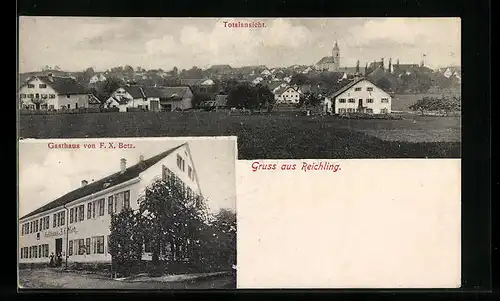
(336,57)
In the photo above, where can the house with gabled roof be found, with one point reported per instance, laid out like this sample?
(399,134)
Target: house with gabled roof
(287,95)
(53,93)
(77,224)
(359,95)
(151,98)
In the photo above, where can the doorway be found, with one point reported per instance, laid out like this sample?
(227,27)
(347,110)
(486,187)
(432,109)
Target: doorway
(58,246)
(360,102)
(155,106)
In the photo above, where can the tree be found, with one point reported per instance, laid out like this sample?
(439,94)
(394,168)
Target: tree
(390,65)
(357,67)
(299,79)
(172,216)
(199,97)
(88,73)
(366,69)
(175,72)
(382,64)
(125,240)
(128,70)
(384,83)
(242,96)
(265,97)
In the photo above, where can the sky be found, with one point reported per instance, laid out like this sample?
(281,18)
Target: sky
(46,174)
(76,43)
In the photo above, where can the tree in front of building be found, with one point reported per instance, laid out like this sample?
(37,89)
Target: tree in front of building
(173,217)
(125,240)
(429,104)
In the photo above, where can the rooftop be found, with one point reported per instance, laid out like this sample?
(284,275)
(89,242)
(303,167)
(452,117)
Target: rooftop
(112,180)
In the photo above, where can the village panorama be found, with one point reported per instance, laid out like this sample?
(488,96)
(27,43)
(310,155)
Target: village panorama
(386,108)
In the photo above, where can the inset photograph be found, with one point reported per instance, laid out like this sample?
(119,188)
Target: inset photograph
(131,213)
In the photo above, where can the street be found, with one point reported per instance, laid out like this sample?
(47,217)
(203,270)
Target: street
(51,278)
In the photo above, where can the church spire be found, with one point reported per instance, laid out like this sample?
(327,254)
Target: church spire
(336,47)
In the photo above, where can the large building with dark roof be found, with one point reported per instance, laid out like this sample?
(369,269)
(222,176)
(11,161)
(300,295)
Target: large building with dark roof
(330,63)
(53,93)
(78,222)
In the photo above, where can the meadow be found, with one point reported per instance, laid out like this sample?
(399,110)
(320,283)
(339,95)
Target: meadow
(283,136)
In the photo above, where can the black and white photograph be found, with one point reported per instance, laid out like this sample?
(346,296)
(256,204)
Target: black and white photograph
(288,88)
(127,213)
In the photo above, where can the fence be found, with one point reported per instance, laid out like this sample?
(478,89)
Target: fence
(68,111)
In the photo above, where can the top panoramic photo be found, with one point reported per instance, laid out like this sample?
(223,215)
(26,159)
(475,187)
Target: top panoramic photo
(289,88)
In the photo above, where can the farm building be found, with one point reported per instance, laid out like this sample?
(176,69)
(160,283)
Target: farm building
(287,95)
(219,102)
(53,93)
(78,223)
(360,95)
(151,98)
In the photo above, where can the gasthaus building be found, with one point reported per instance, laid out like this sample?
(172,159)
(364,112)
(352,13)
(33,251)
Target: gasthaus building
(78,223)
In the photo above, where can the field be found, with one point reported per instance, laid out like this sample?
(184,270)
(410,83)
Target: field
(283,136)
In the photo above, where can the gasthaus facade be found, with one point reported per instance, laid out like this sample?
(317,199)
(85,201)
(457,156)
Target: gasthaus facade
(78,223)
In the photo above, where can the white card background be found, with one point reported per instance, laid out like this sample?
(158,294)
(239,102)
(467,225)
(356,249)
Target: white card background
(374,224)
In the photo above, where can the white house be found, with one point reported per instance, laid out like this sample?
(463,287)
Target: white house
(361,95)
(97,78)
(53,93)
(78,223)
(287,95)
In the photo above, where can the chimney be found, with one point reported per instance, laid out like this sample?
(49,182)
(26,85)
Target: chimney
(123,165)
(84,183)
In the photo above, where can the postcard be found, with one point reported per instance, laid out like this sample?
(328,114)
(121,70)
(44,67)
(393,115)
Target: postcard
(345,172)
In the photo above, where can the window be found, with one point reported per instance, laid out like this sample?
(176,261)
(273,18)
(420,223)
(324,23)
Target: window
(42,86)
(22,253)
(384,111)
(369,100)
(22,95)
(357,89)
(98,244)
(369,110)
(81,212)
(36,226)
(89,210)
(384,100)
(351,100)
(190,171)
(44,96)
(70,248)
(37,95)
(110,204)
(93,209)
(108,243)
(369,89)
(40,253)
(87,245)
(30,252)
(51,107)
(62,217)
(35,252)
(76,105)
(342,100)
(31,95)
(52,96)
(67,96)
(126,199)
(147,246)
(101,207)
(179,161)
(69,106)
(31,86)
(71,215)
(350,110)
(81,246)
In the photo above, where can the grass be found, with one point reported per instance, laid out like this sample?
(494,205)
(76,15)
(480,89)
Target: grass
(268,136)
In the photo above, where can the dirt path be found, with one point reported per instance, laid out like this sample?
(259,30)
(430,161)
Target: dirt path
(48,278)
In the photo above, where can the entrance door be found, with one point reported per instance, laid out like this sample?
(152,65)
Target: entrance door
(360,102)
(58,246)
(155,105)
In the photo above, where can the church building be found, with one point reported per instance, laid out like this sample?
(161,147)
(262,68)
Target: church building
(330,63)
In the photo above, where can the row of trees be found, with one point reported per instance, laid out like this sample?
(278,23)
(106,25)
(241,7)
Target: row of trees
(176,227)
(443,105)
(250,97)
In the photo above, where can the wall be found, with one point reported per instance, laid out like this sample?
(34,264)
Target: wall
(377,94)
(72,99)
